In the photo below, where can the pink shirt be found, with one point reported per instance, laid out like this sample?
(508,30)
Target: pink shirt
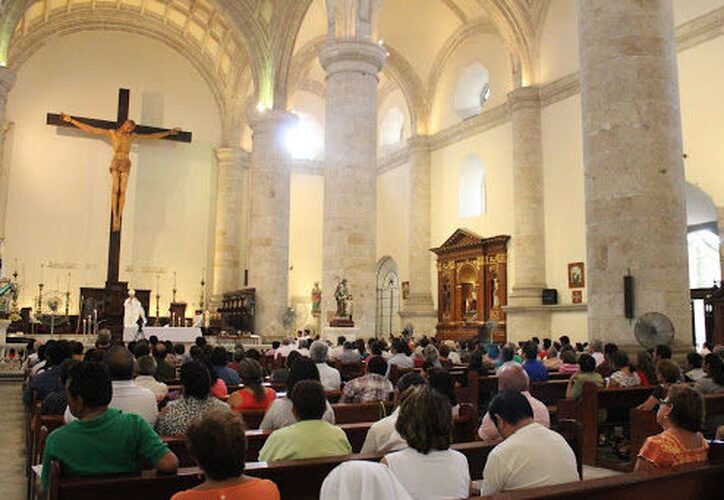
(489,433)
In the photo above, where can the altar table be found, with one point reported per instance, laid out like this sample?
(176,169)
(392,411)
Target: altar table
(174,334)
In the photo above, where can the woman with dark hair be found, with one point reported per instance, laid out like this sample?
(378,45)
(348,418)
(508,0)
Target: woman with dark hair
(667,373)
(645,368)
(568,365)
(624,376)
(714,380)
(218,386)
(280,413)
(195,403)
(428,468)
(586,374)
(218,443)
(681,416)
(280,375)
(253,396)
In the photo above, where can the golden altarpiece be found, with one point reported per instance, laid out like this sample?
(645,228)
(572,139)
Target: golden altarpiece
(472,285)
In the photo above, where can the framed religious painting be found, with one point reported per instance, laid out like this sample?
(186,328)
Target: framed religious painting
(405,290)
(576,275)
(577,296)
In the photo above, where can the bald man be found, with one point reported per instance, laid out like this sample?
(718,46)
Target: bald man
(128,396)
(512,377)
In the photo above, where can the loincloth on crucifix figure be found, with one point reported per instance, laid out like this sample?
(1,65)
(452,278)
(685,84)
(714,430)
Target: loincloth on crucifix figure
(121,140)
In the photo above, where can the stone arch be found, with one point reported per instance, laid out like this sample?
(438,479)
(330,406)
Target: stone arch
(388,296)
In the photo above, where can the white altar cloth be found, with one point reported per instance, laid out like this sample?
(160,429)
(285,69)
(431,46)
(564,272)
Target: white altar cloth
(174,334)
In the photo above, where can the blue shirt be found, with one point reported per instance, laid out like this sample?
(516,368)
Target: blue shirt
(228,375)
(535,370)
(43,383)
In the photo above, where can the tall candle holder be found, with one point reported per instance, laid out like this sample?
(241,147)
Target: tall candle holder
(203,293)
(40,298)
(157,322)
(14,311)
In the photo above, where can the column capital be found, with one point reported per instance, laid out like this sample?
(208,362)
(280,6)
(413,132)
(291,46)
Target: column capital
(7,79)
(271,120)
(524,97)
(342,56)
(231,155)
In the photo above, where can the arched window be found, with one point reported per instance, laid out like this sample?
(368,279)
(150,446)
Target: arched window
(392,127)
(472,90)
(471,188)
(306,140)
(388,297)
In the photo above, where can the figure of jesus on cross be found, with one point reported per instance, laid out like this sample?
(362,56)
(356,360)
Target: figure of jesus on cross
(121,140)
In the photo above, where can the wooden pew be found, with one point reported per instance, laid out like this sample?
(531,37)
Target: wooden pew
(396,373)
(349,413)
(348,371)
(694,483)
(585,410)
(297,479)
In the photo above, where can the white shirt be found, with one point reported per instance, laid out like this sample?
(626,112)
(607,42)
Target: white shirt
(284,350)
(148,382)
(329,377)
(441,474)
(336,352)
(599,357)
(401,361)
(532,456)
(130,398)
(454,357)
(382,437)
(358,479)
(132,310)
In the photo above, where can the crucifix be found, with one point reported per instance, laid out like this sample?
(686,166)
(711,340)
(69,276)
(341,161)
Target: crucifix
(122,133)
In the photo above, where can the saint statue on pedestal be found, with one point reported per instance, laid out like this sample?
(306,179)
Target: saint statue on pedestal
(343,297)
(316,299)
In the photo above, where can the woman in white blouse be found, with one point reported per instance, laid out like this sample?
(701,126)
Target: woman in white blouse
(428,469)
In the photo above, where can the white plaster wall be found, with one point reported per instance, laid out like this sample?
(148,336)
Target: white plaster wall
(565,218)
(571,323)
(702,107)
(494,147)
(59,197)
(395,99)
(489,51)
(393,216)
(559,42)
(305,234)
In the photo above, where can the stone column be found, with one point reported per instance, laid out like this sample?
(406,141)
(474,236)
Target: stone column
(349,239)
(418,308)
(269,182)
(7,81)
(228,222)
(634,173)
(525,316)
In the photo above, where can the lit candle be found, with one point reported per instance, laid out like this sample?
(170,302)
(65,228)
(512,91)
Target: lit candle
(42,271)
(174,279)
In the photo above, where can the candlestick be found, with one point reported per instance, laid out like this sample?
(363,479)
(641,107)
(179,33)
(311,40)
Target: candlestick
(67,303)
(40,298)
(203,290)
(157,323)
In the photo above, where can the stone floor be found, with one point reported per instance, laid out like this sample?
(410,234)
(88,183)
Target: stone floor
(12,450)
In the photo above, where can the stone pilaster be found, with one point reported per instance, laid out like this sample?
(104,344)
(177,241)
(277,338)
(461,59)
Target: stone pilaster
(720,225)
(529,271)
(634,175)
(269,219)
(418,308)
(7,81)
(228,222)
(349,241)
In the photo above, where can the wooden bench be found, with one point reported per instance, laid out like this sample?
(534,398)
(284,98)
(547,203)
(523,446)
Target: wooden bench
(585,410)
(702,482)
(297,479)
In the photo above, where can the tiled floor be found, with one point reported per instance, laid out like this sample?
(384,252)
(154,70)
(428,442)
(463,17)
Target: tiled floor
(12,450)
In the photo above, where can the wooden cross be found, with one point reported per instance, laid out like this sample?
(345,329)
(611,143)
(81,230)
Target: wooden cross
(114,244)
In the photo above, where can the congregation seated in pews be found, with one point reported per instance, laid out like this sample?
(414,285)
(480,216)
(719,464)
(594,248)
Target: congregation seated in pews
(329,431)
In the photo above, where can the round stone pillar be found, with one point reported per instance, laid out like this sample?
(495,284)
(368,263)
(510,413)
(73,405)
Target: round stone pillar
(269,183)
(228,222)
(525,316)
(417,309)
(634,174)
(7,81)
(350,183)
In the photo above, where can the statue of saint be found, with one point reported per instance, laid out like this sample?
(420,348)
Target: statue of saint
(316,298)
(342,296)
(133,310)
(121,140)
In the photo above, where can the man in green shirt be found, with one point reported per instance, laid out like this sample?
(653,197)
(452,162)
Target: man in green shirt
(310,437)
(102,440)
